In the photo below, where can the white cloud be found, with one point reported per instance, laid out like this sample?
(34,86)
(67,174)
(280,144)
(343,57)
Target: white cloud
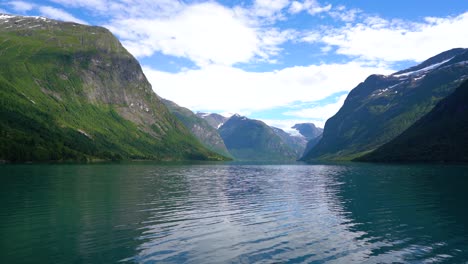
(319,112)
(227,89)
(59,14)
(92,4)
(344,14)
(380,39)
(125,8)
(21,6)
(271,39)
(326,49)
(311,6)
(216,37)
(269,8)
(295,7)
(205,33)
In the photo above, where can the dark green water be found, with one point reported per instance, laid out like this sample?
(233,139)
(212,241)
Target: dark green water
(350,213)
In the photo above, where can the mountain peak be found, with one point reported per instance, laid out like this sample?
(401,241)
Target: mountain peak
(16,21)
(250,139)
(237,117)
(382,107)
(440,135)
(78,94)
(432,63)
(308,130)
(5,16)
(213,119)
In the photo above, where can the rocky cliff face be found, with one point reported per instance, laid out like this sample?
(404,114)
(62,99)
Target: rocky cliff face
(65,83)
(382,107)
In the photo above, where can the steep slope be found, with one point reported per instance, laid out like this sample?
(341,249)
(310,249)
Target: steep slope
(213,119)
(441,135)
(199,127)
(382,107)
(311,144)
(72,92)
(248,139)
(296,143)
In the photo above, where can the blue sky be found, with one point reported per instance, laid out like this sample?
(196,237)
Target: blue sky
(280,61)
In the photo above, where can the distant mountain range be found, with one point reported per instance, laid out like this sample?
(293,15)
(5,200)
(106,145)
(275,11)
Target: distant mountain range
(308,130)
(311,133)
(382,107)
(200,128)
(213,119)
(248,139)
(296,143)
(71,92)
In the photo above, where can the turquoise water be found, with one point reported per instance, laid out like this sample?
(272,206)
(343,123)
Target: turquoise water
(146,213)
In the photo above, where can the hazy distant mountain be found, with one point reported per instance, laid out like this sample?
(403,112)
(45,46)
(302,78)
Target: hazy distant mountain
(295,143)
(382,107)
(311,133)
(215,120)
(199,127)
(73,92)
(441,135)
(308,130)
(248,139)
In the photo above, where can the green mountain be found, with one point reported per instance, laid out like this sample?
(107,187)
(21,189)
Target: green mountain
(72,92)
(382,107)
(441,135)
(199,127)
(248,139)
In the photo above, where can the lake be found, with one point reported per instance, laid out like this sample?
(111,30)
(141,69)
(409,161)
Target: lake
(233,213)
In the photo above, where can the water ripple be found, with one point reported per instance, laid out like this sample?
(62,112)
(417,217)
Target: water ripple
(344,213)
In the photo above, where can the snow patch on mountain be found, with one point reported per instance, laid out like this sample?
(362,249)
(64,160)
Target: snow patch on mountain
(423,70)
(5,16)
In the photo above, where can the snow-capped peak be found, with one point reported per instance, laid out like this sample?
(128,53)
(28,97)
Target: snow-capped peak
(5,16)
(423,70)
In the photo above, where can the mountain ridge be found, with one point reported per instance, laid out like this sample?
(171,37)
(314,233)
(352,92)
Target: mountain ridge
(382,107)
(249,139)
(441,135)
(200,128)
(72,92)
(215,120)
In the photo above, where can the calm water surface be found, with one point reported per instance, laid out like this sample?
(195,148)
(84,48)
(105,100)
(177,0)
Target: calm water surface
(146,213)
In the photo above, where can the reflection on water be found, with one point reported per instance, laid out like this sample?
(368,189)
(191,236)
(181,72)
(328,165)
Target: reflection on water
(344,213)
